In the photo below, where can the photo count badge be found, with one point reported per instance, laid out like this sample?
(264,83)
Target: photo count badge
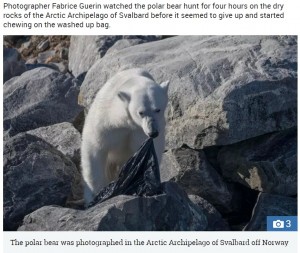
(281,223)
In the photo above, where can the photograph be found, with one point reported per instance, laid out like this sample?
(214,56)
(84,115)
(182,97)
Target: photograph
(149,132)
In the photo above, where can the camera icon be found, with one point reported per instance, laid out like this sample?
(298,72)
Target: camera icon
(278,224)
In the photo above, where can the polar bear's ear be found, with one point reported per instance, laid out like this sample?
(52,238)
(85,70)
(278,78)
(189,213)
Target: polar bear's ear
(125,97)
(165,85)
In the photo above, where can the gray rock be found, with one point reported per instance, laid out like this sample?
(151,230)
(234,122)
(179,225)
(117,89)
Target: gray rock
(191,170)
(35,174)
(171,211)
(82,57)
(223,89)
(64,137)
(64,53)
(267,163)
(31,61)
(60,66)
(43,45)
(27,44)
(13,65)
(44,56)
(13,39)
(270,205)
(30,66)
(6,44)
(214,218)
(39,97)
(84,51)
(124,43)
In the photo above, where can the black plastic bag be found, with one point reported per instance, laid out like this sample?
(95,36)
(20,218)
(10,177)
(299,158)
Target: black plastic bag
(139,176)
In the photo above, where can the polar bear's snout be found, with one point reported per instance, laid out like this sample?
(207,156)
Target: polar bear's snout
(153,134)
(150,127)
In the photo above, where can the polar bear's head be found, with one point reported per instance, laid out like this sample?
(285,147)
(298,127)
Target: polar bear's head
(146,105)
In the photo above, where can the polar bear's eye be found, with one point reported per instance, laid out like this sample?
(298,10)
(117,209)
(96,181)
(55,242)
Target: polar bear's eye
(141,113)
(157,110)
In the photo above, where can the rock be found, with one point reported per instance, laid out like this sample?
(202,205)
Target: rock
(270,205)
(267,163)
(43,57)
(14,39)
(124,43)
(30,66)
(11,39)
(39,97)
(31,61)
(64,53)
(223,89)
(64,137)
(35,174)
(82,57)
(43,45)
(191,170)
(13,65)
(31,46)
(214,218)
(61,66)
(171,211)
(27,44)
(6,44)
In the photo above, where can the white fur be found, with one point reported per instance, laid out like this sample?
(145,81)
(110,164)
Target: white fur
(123,113)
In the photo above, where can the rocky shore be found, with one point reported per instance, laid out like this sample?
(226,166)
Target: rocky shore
(231,141)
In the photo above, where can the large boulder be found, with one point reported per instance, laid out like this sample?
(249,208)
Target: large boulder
(64,137)
(267,163)
(223,89)
(39,97)
(270,205)
(34,175)
(166,212)
(13,65)
(191,170)
(84,51)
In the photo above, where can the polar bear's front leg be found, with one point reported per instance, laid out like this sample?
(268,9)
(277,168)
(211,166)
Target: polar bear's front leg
(93,172)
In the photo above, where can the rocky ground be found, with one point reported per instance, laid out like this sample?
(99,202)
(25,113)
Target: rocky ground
(231,153)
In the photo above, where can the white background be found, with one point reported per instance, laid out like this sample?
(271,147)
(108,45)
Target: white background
(287,26)
(178,26)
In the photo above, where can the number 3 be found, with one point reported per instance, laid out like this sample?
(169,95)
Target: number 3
(288,223)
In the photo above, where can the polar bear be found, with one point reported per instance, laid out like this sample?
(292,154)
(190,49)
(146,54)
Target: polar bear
(127,110)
